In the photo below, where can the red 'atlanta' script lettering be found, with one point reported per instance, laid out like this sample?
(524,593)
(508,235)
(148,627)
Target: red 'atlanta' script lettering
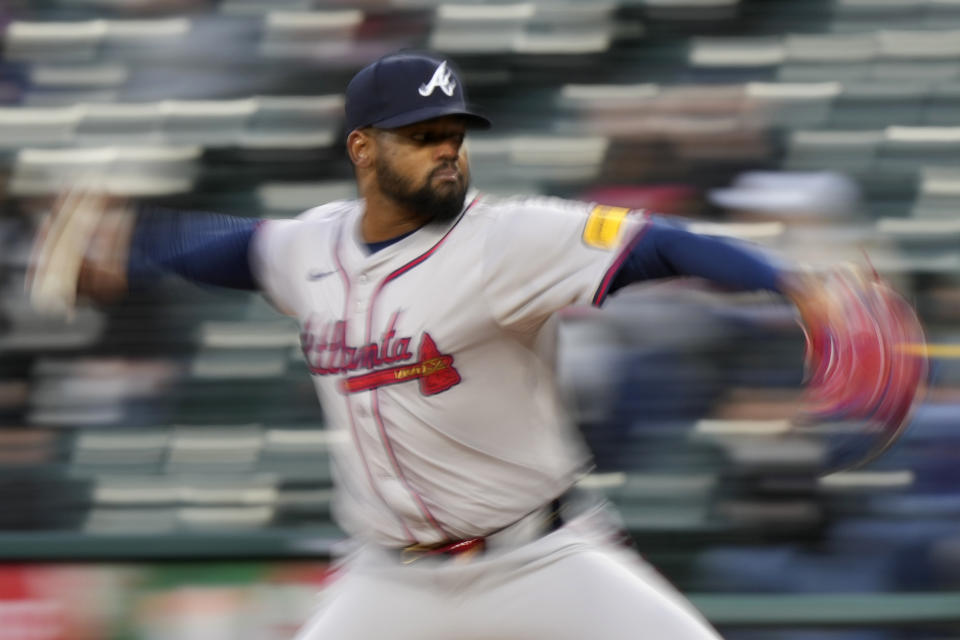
(326,351)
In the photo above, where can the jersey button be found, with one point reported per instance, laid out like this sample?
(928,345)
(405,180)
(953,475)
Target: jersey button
(363,278)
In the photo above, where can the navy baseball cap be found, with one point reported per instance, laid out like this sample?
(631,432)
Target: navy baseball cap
(407,87)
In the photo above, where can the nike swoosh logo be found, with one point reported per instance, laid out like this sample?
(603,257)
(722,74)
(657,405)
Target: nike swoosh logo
(316,275)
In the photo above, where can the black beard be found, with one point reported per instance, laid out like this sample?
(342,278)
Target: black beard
(436,206)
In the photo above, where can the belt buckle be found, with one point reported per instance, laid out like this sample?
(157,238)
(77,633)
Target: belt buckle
(409,555)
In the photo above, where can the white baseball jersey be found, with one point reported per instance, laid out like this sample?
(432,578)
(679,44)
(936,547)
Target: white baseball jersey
(436,355)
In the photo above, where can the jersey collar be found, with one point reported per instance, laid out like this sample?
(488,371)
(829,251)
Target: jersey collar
(420,240)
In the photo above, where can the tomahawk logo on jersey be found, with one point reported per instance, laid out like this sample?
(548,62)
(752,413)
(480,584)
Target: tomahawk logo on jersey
(327,353)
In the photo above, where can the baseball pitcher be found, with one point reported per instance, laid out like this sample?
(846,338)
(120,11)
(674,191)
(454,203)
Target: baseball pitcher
(427,318)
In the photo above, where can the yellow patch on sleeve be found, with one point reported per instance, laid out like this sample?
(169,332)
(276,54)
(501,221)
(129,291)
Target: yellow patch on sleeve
(603,226)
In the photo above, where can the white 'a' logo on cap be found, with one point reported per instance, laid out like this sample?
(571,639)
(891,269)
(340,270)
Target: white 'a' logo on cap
(442,79)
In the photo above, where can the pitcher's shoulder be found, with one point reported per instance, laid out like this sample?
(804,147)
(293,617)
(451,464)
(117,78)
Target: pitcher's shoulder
(494,206)
(312,226)
(330,212)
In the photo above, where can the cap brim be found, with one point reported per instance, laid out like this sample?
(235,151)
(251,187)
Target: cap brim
(474,120)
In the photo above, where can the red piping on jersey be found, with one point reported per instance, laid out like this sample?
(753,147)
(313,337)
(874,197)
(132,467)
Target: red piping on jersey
(376,401)
(611,273)
(353,422)
(343,274)
(416,261)
(396,273)
(399,471)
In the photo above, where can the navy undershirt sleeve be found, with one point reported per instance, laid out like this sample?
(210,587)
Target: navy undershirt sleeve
(665,250)
(206,248)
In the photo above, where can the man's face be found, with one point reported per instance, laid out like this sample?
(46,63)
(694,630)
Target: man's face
(424,167)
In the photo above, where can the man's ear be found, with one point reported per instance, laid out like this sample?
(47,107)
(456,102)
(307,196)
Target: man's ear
(360,148)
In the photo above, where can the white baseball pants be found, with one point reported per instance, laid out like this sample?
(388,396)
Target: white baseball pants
(568,585)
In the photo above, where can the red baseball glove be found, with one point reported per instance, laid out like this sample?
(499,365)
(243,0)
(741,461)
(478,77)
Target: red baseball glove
(866,364)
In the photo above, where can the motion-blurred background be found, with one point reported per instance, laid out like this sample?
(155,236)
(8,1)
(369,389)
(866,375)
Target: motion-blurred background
(162,461)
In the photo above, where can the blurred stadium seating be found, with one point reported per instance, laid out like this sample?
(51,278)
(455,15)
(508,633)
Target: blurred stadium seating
(181,422)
